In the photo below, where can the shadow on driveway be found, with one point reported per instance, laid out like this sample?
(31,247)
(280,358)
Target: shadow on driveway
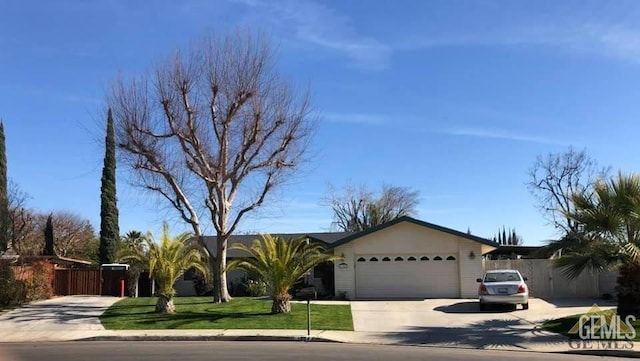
(473,307)
(56,313)
(580,302)
(508,333)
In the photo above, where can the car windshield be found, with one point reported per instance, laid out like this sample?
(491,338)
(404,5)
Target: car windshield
(501,277)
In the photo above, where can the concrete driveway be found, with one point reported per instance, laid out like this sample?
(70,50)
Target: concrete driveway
(460,323)
(69,314)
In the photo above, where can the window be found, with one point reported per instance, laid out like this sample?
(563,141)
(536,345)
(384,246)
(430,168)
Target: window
(437,258)
(386,259)
(190,275)
(318,270)
(412,258)
(451,258)
(424,258)
(373,259)
(399,259)
(361,259)
(501,277)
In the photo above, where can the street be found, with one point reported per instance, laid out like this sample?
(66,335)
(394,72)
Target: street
(280,351)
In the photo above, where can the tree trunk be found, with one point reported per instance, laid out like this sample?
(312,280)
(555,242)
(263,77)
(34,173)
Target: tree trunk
(629,291)
(280,305)
(220,291)
(165,305)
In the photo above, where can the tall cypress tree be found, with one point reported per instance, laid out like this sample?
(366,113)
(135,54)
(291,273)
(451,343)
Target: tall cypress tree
(109,230)
(504,235)
(48,237)
(5,219)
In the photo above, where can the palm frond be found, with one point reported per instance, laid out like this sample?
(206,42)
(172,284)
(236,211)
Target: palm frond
(169,258)
(280,262)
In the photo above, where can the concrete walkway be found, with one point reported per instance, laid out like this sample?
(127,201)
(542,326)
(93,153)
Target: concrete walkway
(55,319)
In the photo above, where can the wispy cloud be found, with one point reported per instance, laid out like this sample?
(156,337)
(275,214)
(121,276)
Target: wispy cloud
(611,31)
(324,26)
(609,34)
(501,134)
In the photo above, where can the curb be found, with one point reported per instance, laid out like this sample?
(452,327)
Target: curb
(211,338)
(604,353)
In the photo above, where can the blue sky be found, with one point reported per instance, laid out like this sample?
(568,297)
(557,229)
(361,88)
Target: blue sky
(452,98)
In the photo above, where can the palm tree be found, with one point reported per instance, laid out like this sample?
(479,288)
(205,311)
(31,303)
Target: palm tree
(167,260)
(610,237)
(280,263)
(132,242)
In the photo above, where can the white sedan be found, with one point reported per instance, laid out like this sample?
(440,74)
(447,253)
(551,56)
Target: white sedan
(503,287)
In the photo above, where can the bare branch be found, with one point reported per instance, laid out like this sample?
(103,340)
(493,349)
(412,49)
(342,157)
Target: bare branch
(556,178)
(213,129)
(356,208)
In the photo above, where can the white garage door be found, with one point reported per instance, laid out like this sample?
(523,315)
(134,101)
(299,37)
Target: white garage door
(407,276)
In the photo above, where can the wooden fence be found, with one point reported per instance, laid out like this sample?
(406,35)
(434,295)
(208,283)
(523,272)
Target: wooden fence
(547,281)
(77,282)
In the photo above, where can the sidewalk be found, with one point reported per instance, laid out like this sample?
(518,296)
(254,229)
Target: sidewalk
(377,338)
(75,318)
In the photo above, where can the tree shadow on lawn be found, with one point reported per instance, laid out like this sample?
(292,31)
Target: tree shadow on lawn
(180,319)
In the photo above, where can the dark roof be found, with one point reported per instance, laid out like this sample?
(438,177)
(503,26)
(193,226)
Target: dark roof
(327,238)
(502,249)
(511,251)
(334,239)
(419,223)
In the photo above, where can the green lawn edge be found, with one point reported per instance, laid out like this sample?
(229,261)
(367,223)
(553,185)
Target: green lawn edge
(199,313)
(562,325)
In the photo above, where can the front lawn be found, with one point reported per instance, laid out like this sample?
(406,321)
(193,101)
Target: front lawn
(564,324)
(241,313)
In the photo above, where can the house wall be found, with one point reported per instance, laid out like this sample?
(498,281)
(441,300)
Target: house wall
(187,288)
(470,267)
(409,238)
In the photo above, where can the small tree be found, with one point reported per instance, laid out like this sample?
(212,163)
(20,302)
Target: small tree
(167,261)
(48,237)
(357,208)
(280,263)
(133,242)
(556,178)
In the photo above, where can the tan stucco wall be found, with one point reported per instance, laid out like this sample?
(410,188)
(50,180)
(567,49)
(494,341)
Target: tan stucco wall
(410,238)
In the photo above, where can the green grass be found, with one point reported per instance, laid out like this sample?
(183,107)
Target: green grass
(240,313)
(564,324)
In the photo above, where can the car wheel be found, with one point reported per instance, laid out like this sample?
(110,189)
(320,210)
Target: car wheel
(525,306)
(483,307)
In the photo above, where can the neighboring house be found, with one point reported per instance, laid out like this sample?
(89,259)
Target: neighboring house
(404,258)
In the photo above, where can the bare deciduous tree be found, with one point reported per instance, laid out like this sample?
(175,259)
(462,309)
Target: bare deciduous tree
(356,208)
(73,236)
(212,131)
(21,219)
(556,178)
